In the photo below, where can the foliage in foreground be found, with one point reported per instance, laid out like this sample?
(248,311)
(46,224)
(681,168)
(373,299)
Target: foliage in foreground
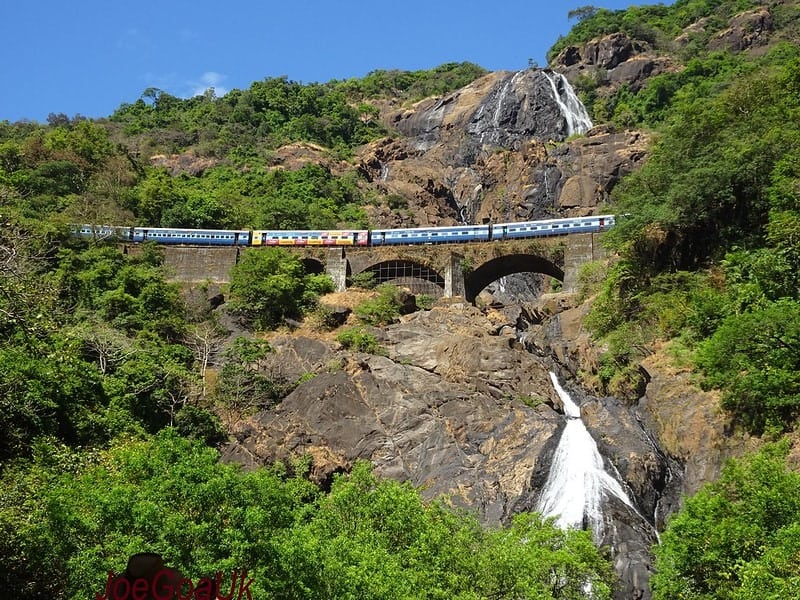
(738,538)
(67,517)
(269,284)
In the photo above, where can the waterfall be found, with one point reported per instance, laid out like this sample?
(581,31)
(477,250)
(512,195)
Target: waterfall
(572,108)
(578,483)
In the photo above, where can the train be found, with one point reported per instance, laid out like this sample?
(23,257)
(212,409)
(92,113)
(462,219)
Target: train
(348,237)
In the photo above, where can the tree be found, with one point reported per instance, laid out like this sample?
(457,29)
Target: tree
(69,516)
(269,284)
(374,539)
(754,358)
(737,538)
(245,383)
(582,12)
(206,340)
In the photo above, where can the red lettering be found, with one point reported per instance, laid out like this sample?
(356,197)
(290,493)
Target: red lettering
(167,584)
(244,587)
(164,585)
(116,586)
(108,588)
(204,589)
(141,589)
(232,588)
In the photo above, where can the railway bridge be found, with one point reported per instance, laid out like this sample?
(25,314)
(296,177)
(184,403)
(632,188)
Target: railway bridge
(441,270)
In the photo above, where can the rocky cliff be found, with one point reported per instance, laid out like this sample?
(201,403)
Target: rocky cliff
(458,406)
(460,402)
(497,150)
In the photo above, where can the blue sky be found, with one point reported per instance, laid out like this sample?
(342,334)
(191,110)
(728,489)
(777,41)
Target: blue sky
(88,57)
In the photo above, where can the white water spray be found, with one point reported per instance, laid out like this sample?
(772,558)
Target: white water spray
(572,108)
(578,483)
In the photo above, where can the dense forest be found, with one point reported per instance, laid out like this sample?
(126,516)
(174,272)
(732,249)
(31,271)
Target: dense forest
(111,422)
(708,261)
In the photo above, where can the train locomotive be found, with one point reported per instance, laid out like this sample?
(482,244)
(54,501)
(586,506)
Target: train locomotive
(349,237)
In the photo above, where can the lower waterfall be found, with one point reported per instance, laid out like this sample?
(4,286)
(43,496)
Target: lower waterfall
(578,482)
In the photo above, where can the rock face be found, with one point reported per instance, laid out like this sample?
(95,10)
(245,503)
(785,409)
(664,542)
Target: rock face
(498,149)
(745,31)
(460,409)
(611,61)
(444,409)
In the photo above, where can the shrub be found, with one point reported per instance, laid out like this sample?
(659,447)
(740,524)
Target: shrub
(381,310)
(365,280)
(355,338)
(425,301)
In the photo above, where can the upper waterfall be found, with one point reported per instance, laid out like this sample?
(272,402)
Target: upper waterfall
(572,108)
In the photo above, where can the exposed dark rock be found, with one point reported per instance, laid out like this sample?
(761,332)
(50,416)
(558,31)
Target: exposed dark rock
(613,59)
(339,315)
(457,407)
(496,151)
(746,30)
(441,411)
(690,426)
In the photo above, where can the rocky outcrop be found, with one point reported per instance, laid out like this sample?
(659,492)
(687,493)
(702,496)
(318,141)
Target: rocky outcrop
(187,163)
(689,424)
(745,31)
(611,60)
(455,410)
(456,406)
(496,151)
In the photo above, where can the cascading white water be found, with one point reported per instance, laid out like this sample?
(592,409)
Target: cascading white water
(578,483)
(572,108)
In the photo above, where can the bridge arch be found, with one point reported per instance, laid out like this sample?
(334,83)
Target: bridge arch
(418,277)
(494,269)
(312,266)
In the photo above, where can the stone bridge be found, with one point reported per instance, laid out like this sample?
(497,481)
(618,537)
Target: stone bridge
(439,270)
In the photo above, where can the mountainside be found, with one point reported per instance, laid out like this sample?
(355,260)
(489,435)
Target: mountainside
(682,348)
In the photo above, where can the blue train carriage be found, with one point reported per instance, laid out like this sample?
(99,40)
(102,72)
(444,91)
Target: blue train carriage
(547,227)
(430,235)
(102,232)
(192,237)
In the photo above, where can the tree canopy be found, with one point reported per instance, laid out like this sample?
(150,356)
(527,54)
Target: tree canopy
(738,538)
(68,517)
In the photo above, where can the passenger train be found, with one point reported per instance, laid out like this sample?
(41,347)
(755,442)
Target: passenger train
(349,237)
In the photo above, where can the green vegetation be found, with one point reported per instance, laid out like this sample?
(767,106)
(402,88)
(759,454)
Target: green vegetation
(425,301)
(114,386)
(68,516)
(365,280)
(656,24)
(383,309)
(709,247)
(356,338)
(411,85)
(738,538)
(269,284)
(708,261)
(76,170)
(109,394)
